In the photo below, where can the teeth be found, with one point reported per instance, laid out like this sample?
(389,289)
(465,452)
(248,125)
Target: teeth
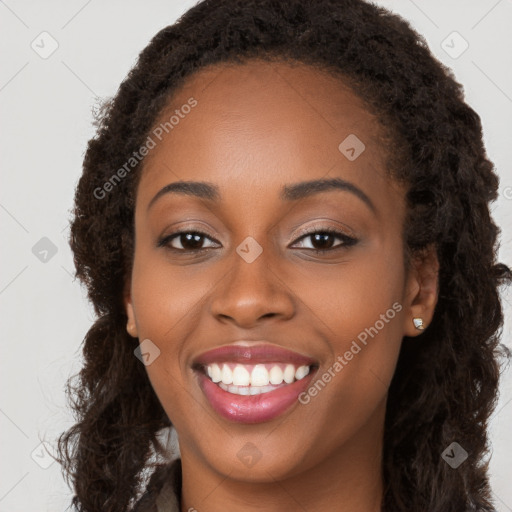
(216,373)
(227,374)
(262,378)
(289,373)
(241,376)
(301,372)
(276,375)
(246,390)
(259,376)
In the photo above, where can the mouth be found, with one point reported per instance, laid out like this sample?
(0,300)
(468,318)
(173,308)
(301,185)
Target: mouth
(253,384)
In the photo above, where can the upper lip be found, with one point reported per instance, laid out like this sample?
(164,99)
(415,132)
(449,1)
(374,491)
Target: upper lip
(261,352)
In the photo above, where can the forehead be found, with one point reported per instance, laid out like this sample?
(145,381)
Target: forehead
(259,125)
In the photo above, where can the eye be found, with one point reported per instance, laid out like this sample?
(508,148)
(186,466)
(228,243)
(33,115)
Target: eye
(323,239)
(190,241)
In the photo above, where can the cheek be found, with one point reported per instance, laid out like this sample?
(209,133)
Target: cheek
(164,308)
(352,296)
(361,309)
(166,299)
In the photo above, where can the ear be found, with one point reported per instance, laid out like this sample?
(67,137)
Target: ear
(131,325)
(422,290)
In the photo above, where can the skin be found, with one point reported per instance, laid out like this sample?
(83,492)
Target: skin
(257,127)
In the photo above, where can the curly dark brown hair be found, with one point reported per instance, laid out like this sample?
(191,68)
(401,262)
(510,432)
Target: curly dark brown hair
(444,388)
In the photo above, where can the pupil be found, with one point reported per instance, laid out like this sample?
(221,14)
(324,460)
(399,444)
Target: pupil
(193,240)
(322,238)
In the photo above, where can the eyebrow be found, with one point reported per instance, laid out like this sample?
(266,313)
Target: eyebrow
(292,192)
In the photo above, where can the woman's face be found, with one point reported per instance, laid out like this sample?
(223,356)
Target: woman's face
(249,139)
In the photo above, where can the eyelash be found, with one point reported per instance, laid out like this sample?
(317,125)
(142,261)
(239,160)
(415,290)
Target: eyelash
(348,241)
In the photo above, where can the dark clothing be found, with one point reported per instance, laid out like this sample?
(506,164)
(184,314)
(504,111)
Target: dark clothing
(163,493)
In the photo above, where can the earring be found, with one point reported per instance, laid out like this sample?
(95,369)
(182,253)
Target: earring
(418,323)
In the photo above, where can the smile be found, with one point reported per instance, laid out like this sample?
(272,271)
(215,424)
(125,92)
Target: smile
(253,384)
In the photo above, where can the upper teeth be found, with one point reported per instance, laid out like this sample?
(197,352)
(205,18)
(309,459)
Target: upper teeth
(257,375)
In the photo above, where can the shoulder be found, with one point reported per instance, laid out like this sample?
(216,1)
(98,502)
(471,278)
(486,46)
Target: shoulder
(163,491)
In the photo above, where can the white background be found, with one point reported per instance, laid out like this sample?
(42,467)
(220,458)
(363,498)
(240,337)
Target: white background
(46,122)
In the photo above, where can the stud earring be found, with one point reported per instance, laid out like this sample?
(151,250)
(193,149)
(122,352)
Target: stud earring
(418,323)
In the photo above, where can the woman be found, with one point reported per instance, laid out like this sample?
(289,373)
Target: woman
(283,224)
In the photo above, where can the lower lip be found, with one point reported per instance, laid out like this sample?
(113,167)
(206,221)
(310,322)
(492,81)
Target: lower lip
(253,408)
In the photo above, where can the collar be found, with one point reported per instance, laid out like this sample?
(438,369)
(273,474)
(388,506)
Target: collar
(168,499)
(163,493)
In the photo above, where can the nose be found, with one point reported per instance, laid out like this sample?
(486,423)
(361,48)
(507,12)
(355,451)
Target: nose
(250,292)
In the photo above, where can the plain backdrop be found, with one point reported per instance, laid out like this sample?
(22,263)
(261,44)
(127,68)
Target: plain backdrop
(46,102)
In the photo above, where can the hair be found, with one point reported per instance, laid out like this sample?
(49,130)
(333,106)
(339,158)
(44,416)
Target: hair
(446,383)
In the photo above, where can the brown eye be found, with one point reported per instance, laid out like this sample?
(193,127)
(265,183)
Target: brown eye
(323,240)
(186,241)
(192,241)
